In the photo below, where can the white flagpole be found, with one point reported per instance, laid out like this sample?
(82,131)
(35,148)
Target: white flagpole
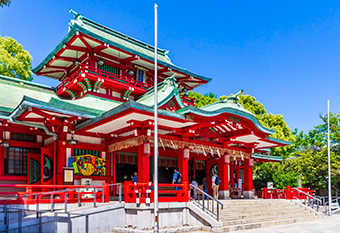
(329,167)
(155,176)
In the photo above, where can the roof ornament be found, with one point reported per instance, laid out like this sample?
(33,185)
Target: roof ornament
(76,15)
(162,143)
(203,151)
(171,81)
(211,151)
(235,98)
(166,54)
(173,145)
(218,153)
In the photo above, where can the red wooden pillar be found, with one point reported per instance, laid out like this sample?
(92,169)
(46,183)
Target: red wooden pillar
(2,157)
(248,179)
(223,175)
(61,161)
(143,162)
(232,168)
(183,164)
(238,176)
(113,170)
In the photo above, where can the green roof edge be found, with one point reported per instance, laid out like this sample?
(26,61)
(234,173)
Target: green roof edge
(27,82)
(27,101)
(280,141)
(238,112)
(261,156)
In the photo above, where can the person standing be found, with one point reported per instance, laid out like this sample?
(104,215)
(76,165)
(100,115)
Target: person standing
(205,187)
(177,179)
(135,178)
(215,184)
(195,184)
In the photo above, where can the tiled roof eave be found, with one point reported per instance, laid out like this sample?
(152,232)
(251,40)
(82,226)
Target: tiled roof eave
(238,112)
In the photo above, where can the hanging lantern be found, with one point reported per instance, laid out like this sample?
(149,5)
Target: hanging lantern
(147,148)
(186,153)
(251,162)
(226,159)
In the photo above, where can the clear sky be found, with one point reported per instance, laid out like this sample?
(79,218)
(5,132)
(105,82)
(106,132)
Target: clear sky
(285,53)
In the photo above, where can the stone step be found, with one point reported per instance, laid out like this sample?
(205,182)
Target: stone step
(257,207)
(258,211)
(229,205)
(251,215)
(252,201)
(264,219)
(265,224)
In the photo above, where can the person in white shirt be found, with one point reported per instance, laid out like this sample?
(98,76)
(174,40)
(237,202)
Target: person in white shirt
(195,184)
(215,186)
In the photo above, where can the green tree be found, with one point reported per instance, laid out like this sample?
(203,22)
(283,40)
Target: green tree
(14,60)
(5,3)
(202,100)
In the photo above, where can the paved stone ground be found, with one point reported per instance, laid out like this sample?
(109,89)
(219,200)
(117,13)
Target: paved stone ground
(324,225)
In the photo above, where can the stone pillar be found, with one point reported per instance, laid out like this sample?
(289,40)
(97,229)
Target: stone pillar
(223,175)
(183,165)
(143,163)
(248,179)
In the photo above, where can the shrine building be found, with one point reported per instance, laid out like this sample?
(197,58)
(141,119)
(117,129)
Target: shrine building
(99,119)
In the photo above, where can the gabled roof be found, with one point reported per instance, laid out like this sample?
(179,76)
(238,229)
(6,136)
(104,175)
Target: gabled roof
(225,106)
(113,38)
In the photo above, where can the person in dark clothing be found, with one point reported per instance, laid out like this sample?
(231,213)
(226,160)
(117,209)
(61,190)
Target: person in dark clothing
(177,179)
(135,178)
(205,186)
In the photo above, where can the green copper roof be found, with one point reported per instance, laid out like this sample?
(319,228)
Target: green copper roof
(165,91)
(55,107)
(116,39)
(13,91)
(261,156)
(225,106)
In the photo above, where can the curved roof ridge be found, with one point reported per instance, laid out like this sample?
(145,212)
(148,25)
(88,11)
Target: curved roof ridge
(166,89)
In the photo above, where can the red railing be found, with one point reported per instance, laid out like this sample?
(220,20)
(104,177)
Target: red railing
(108,77)
(143,192)
(71,193)
(287,193)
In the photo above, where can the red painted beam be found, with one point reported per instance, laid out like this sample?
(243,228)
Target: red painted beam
(77,48)
(88,46)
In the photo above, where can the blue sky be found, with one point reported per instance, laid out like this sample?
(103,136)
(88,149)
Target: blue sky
(285,53)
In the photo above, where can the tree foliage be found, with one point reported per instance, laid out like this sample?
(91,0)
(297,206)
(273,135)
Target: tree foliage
(14,60)
(202,100)
(309,160)
(5,3)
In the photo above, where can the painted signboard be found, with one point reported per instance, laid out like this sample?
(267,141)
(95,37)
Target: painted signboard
(88,165)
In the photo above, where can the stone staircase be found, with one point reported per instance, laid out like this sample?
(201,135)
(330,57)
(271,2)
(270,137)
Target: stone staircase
(248,214)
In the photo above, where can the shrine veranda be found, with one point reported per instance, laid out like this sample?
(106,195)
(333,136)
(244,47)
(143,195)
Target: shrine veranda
(99,119)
